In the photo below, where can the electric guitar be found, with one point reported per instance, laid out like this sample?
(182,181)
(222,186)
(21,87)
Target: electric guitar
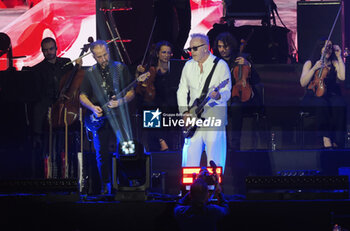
(197,108)
(93,123)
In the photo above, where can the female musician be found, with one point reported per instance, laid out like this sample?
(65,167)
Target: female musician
(329,108)
(155,91)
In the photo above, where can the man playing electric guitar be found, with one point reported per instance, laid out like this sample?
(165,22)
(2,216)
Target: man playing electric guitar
(100,86)
(194,81)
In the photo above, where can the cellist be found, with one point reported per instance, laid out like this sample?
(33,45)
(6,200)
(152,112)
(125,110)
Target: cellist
(328,107)
(48,76)
(226,47)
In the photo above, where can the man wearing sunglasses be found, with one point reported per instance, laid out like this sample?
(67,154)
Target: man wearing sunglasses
(192,83)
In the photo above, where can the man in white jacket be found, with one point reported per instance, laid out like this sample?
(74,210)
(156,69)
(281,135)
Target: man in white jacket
(193,78)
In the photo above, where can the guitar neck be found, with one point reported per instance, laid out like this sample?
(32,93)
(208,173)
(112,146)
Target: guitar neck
(204,102)
(126,89)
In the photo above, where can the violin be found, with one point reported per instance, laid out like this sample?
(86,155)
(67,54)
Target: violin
(317,85)
(147,89)
(68,95)
(241,73)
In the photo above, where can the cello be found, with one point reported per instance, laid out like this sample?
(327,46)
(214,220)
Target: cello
(68,95)
(241,73)
(66,110)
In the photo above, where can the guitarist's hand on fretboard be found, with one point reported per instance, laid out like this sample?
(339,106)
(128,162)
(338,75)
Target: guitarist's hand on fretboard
(215,95)
(114,102)
(98,112)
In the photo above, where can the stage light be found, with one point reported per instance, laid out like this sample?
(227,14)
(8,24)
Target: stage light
(131,171)
(128,148)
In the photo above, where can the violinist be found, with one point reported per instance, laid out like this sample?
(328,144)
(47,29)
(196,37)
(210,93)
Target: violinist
(48,76)
(155,92)
(101,84)
(226,47)
(328,107)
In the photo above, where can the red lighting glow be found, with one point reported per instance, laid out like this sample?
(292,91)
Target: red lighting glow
(187,173)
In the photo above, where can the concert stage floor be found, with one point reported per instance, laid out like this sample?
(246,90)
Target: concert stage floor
(74,212)
(32,212)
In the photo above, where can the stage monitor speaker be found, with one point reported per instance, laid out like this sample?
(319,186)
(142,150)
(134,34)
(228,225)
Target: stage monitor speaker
(168,166)
(39,186)
(297,187)
(314,21)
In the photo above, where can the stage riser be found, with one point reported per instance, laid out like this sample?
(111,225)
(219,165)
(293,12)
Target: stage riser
(238,166)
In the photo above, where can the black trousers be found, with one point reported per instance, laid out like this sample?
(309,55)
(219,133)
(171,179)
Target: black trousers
(102,139)
(330,113)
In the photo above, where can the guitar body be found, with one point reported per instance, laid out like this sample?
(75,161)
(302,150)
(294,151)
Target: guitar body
(189,131)
(93,123)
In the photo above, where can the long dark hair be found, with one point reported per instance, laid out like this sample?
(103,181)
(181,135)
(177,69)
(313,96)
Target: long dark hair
(155,51)
(316,53)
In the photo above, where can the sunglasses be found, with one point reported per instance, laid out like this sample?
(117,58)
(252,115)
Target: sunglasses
(194,48)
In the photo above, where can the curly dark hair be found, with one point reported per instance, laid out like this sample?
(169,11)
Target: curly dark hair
(228,40)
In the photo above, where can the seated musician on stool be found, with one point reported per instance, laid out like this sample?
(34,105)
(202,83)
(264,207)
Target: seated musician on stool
(48,73)
(225,47)
(155,92)
(323,95)
(100,86)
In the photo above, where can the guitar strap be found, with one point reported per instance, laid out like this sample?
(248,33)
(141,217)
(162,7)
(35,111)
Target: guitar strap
(206,85)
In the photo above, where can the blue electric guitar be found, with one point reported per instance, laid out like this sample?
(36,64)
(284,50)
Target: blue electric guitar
(93,123)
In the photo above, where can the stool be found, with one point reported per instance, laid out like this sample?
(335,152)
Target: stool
(302,116)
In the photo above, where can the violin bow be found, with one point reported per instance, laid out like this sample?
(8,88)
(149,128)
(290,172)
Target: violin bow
(82,56)
(149,41)
(330,33)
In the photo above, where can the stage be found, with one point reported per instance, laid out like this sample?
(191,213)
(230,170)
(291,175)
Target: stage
(295,153)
